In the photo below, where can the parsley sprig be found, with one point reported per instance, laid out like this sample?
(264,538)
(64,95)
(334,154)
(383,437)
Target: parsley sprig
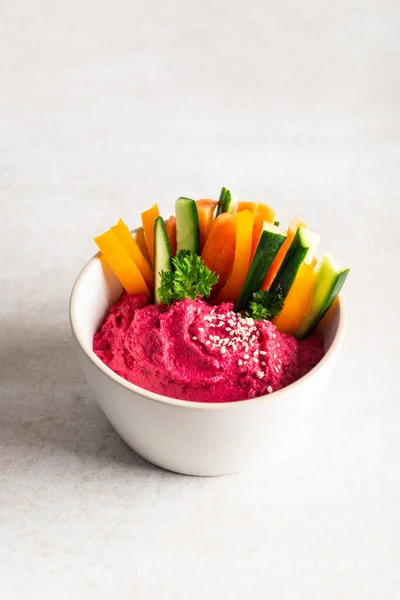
(266,305)
(189,278)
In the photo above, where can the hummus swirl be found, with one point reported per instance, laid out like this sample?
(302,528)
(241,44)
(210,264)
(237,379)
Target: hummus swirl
(194,351)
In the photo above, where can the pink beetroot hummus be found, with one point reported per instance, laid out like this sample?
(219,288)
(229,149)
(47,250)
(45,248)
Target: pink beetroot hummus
(193,351)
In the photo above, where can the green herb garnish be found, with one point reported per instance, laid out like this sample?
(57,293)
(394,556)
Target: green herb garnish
(266,305)
(189,278)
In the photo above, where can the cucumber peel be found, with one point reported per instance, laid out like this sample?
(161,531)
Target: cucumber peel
(303,242)
(187,225)
(330,277)
(224,202)
(162,255)
(270,242)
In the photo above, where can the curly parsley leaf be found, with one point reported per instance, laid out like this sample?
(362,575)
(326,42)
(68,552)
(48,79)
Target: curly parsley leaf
(189,278)
(166,290)
(266,305)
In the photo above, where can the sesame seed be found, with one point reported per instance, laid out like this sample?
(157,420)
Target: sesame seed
(274,335)
(228,328)
(269,389)
(234,347)
(240,362)
(223,350)
(260,374)
(212,312)
(274,355)
(262,352)
(278,344)
(255,352)
(221,324)
(198,311)
(208,342)
(201,329)
(246,356)
(263,363)
(277,369)
(254,359)
(194,338)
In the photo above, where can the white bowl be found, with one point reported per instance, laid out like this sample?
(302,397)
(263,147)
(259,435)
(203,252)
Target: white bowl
(191,437)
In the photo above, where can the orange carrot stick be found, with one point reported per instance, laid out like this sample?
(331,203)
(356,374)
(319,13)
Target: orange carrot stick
(250,206)
(205,212)
(219,250)
(294,225)
(266,211)
(148,219)
(122,263)
(263,213)
(171,233)
(134,251)
(244,235)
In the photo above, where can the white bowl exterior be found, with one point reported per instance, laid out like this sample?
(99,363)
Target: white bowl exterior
(186,437)
(200,442)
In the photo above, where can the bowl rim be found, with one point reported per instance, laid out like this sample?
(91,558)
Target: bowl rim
(191,404)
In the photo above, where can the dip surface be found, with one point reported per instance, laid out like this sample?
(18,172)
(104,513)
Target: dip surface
(194,351)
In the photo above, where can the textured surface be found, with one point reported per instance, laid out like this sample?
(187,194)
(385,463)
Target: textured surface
(106,107)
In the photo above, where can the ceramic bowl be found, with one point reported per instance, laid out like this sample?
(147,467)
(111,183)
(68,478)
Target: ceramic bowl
(191,437)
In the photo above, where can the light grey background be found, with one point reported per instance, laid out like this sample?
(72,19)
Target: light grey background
(105,108)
